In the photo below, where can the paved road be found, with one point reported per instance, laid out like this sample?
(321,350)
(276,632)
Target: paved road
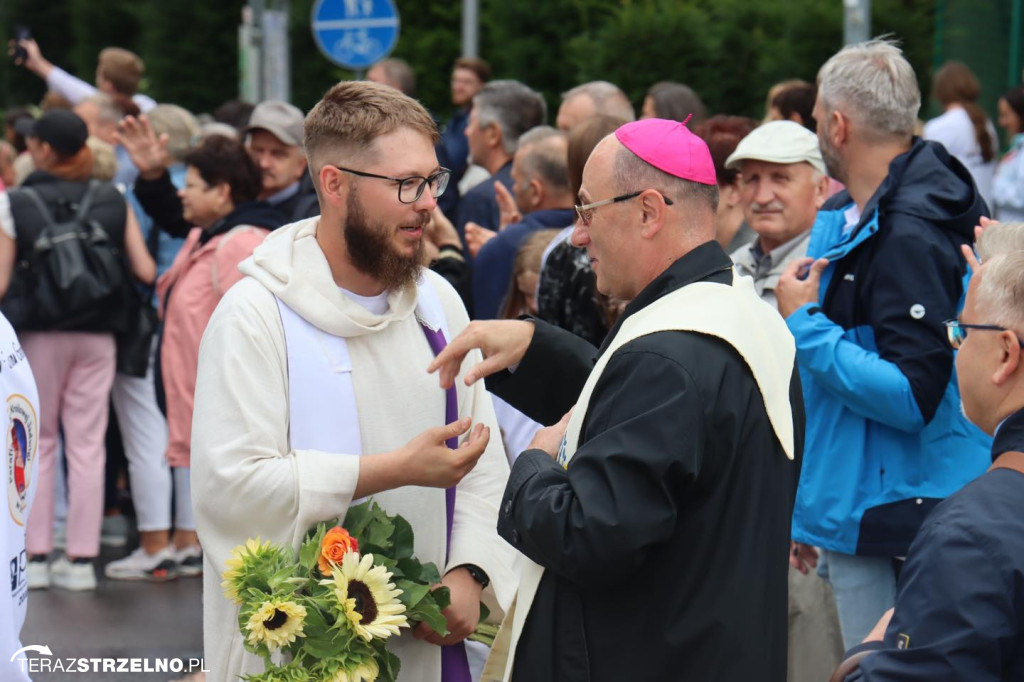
(120,619)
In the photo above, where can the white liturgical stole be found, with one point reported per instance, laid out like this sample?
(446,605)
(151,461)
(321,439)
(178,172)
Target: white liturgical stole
(324,414)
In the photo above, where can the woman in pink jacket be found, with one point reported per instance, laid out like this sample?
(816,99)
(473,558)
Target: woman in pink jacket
(219,196)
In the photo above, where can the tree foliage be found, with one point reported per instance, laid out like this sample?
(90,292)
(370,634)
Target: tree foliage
(729,51)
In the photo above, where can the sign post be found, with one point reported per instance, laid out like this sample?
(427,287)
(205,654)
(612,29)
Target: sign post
(355,34)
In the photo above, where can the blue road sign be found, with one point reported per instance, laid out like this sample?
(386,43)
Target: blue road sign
(355,34)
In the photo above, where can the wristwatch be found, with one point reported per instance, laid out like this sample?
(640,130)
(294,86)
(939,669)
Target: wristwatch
(477,574)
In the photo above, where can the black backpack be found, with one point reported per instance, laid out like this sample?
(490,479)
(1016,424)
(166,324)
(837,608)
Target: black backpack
(73,278)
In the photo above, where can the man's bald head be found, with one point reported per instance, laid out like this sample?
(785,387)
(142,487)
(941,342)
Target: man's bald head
(589,99)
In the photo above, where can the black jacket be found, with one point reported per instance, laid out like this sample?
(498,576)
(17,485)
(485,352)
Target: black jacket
(159,198)
(960,604)
(665,542)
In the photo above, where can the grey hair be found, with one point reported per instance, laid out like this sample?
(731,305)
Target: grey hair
(180,126)
(874,84)
(1001,290)
(399,72)
(1000,238)
(106,107)
(544,154)
(513,107)
(608,99)
(631,174)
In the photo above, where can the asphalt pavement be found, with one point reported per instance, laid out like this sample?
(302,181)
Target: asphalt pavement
(120,620)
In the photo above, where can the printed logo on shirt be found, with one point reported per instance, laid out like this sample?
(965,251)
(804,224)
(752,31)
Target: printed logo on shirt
(22,447)
(917,311)
(19,577)
(903,641)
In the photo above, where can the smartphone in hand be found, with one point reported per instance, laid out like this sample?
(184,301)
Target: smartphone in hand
(19,54)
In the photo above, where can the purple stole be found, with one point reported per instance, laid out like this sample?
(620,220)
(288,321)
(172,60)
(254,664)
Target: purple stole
(454,664)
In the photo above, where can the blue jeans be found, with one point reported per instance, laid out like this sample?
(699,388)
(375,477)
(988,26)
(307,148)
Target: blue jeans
(864,588)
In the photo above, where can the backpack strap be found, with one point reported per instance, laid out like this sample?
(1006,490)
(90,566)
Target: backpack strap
(44,210)
(85,203)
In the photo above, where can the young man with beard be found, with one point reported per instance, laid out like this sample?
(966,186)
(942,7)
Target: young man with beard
(312,392)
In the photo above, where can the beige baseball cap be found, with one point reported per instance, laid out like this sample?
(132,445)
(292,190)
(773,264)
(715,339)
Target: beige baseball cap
(282,120)
(779,142)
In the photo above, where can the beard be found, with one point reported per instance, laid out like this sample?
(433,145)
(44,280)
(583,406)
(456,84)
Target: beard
(372,253)
(833,162)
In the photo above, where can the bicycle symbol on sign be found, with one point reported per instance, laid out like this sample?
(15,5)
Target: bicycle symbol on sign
(357,42)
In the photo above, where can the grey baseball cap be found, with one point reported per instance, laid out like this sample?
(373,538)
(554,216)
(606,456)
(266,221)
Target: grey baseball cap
(779,142)
(280,119)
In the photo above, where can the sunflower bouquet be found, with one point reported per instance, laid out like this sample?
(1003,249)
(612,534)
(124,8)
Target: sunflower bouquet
(327,614)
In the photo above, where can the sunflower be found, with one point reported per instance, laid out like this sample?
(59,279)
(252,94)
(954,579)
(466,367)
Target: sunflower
(367,597)
(276,623)
(235,572)
(366,671)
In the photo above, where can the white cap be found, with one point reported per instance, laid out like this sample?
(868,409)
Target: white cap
(779,142)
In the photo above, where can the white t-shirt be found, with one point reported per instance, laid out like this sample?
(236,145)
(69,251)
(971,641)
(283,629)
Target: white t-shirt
(21,451)
(377,305)
(956,132)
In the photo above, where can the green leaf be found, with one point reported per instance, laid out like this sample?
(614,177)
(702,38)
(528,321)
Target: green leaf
(310,549)
(442,597)
(431,616)
(402,539)
(412,593)
(430,574)
(379,533)
(485,612)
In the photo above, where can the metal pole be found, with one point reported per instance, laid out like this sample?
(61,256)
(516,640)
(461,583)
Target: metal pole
(470,28)
(1016,26)
(856,21)
(257,39)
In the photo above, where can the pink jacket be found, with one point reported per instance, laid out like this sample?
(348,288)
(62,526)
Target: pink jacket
(199,275)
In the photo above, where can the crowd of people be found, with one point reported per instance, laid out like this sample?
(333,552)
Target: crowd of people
(673,350)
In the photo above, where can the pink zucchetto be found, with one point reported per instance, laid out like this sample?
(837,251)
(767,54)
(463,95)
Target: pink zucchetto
(669,146)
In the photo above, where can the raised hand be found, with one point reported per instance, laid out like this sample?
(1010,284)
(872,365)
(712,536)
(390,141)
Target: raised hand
(477,236)
(146,150)
(502,342)
(508,212)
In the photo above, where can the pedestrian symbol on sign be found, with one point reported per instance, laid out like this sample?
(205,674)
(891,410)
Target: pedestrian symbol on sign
(355,34)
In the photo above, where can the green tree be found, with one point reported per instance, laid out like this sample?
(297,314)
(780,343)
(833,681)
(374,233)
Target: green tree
(190,48)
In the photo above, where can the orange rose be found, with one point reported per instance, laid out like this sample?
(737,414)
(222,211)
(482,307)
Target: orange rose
(335,545)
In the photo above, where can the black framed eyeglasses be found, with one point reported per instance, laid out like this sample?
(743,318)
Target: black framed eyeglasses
(410,189)
(956,332)
(586,211)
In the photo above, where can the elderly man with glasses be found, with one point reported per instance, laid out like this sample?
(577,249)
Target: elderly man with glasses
(312,391)
(656,514)
(959,611)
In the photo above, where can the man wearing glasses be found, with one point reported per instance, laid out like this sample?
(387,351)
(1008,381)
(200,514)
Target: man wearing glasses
(959,611)
(656,515)
(312,392)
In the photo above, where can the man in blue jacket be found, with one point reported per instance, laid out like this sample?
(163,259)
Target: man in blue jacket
(541,187)
(886,440)
(960,607)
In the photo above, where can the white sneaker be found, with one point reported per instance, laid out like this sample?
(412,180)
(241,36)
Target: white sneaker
(190,560)
(38,575)
(139,565)
(71,576)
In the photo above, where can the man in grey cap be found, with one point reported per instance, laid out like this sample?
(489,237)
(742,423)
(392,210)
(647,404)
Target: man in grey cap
(782,186)
(274,141)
